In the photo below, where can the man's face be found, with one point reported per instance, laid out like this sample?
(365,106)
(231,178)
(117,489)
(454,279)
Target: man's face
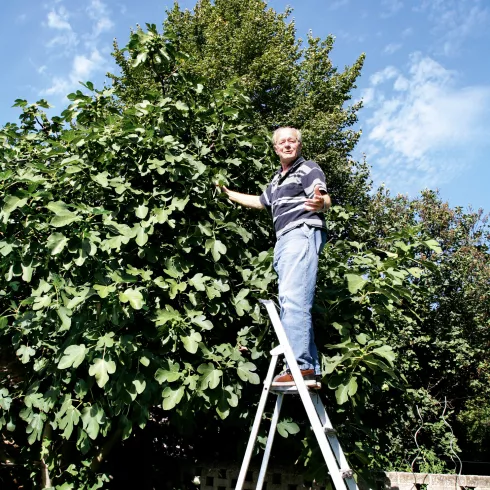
(287,146)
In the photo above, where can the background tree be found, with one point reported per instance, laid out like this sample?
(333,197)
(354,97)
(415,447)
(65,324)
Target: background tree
(443,353)
(255,46)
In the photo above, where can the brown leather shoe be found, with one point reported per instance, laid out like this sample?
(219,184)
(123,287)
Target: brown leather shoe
(285,379)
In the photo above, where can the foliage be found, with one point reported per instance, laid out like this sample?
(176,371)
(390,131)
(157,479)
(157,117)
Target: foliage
(127,282)
(443,354)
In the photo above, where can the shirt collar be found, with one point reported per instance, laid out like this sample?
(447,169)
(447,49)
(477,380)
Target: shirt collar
(295,164)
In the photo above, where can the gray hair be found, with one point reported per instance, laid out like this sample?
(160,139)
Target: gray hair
(276,132)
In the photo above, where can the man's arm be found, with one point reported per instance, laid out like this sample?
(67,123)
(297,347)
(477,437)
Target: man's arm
(247,200)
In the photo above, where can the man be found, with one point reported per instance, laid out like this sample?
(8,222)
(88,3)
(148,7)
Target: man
(296,197)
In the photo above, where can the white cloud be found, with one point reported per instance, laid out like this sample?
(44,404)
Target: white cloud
(59,86)
(68,40)
(455,21)
(59,19)
(79,42)
(382,76)
(392,48)
(99,13)
(335,4)
(350,37)
(83,67)
(423,127)
(390,7)
(367,95)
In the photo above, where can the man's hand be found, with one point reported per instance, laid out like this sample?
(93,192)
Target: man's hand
(222,188)
(319,202)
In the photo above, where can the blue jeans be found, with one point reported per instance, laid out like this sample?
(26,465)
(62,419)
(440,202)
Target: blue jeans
(296,263)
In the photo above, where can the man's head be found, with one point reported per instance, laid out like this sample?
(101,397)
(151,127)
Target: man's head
(287,144)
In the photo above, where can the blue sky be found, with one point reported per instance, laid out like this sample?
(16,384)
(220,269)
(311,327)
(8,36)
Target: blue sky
(425,83)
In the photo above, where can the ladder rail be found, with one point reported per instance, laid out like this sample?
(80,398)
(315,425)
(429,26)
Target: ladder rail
(270,440)
(331,434)
(256,425)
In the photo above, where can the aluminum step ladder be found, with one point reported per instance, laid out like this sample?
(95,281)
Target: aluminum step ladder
(342,476)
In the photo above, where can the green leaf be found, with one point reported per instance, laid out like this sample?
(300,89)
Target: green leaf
(210,376)
(101,179)
(200,321)
(69,420)
(5,248)
(434,245)
(286,427)
(11,203)
(167,315)
(354,283)
(172,397)
(141,211)
(141,237)
(104,291)
(217,248)
(181,106)
(134,297)
(198,281)
(64,315)
(352,386)
(27,272)
(92,417)
(25,353)
(191,342)
(168,373)
(73,356)
(245,373)
(241,304)
(35,427)
(101,370)
(386,352)
(60,221)
(63,215)
(56,243)
(41,302)
(139,383)
(341,393)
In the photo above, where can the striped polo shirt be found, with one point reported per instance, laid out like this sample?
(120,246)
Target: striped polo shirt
(285,196)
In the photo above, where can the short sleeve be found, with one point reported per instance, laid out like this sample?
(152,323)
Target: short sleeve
(313,176)
(266,197)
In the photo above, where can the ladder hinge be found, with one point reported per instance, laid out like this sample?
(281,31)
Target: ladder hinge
(348,473)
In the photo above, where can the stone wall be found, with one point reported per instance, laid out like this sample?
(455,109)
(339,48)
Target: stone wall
(428,481)
(282,479)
